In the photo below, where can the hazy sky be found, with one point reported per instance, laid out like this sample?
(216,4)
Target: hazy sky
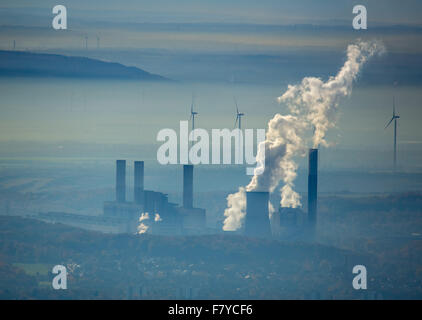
(251,49)
(207,25)
(244,11)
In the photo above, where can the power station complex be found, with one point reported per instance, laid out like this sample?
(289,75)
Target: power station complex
(286,223)
(122,216)
(165,218)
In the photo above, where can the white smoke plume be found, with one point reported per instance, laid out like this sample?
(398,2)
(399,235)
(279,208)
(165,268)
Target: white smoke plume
(144,216)
(313,105)
(282,142)
(270,210)
(235,212)
(316,101)
(143,228)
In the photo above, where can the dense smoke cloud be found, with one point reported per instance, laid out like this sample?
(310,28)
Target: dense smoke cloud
(236,210)
(283,141)
(313,106)
(316,102)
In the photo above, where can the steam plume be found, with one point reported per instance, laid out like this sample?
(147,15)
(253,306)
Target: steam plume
(316,101)
(143,228)
(313,105)
(143,225)
(235,212)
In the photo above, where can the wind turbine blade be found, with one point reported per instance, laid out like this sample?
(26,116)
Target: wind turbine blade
(235,102)
(192,103)
(389,122)
(237,118)
(394,106)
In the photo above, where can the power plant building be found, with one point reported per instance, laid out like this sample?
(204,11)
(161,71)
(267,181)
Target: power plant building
(257,221)
(138,188)
(120,180)
(313,187)
(167,218)
(122,216)
(193,218)
(294,223)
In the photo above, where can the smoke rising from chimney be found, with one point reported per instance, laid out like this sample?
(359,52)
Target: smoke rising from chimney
(316,101)
(313,105)
(236,210)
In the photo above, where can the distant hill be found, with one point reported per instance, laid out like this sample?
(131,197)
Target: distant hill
(27,64)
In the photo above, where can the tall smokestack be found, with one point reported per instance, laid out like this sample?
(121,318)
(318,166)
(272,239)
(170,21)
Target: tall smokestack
(313,187)
(121,180)
(139,182)
(257,221)
(187,186)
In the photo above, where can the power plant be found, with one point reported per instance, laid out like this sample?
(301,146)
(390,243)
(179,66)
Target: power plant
(257,222)
(286,223)
(166,218)
(187,186)
(122,216)
(312,187)
(138,189)
(120,180)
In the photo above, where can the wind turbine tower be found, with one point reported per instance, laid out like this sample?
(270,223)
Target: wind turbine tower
(192,116)
(239,116)
(394,118)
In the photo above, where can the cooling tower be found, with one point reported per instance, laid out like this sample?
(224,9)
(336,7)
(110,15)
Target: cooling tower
(257,221)
(188,186)
(138,190)
(313,186)
(120,180)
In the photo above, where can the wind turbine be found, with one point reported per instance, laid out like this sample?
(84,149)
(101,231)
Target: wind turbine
(192,118)
(239,115)
(394,117)
(192,115)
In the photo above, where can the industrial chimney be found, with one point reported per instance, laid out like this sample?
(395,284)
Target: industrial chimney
(313,187)
(188,186)
(257,221)
(120,180)
(138,196)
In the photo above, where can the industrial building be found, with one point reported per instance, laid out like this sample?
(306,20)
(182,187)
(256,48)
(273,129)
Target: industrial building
(257,222)
(286,223)
(312,188)
(123,216)
(167,218)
